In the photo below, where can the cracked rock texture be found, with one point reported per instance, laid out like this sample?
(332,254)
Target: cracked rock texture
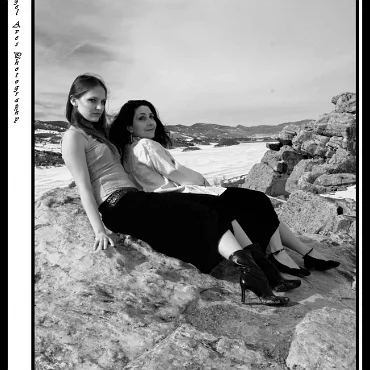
(317,343)
(318,157)
(130,307)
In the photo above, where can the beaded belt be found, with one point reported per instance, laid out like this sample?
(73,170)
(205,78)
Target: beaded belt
(113,199)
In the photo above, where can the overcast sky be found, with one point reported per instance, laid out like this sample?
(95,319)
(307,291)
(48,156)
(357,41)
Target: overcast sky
(227,62)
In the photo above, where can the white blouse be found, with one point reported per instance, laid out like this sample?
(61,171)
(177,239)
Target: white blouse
(149,164)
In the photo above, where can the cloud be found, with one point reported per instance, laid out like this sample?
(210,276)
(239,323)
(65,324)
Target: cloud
(200,54)
(90,54)
(47,103)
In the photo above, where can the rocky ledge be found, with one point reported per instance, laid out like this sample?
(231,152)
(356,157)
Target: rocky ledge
(318,157)
(130,307)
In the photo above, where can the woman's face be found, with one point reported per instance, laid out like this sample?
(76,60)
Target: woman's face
(143,125)
(91,105)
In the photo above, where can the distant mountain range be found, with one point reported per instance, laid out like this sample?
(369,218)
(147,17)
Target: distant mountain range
(60,126)
(197,130)
(210,130)
(49,132)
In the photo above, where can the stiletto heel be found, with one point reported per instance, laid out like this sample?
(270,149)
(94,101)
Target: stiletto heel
(317,264)
(253,279)
(268,299)
(243,288)
(300,272)
(274,278)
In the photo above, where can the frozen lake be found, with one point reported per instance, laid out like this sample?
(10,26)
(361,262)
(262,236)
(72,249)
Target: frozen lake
(213,163)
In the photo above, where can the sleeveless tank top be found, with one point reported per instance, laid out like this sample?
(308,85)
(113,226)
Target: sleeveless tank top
(106,172)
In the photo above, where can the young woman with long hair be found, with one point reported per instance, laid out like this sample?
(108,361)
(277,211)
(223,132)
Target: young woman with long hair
(142,139)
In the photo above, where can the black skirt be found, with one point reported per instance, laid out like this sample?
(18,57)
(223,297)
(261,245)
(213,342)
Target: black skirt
(189,226)
(254,212)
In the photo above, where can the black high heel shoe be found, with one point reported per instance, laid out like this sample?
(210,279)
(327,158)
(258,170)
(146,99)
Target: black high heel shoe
(300,272)
(267,298)
(317,264)
(274,278)
(253,279)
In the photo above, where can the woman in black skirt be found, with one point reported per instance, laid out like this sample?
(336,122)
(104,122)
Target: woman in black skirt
(196,229)
(141,137)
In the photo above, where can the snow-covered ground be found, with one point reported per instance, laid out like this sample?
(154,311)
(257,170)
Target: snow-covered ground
(46,146)
(214,163)
(349,193)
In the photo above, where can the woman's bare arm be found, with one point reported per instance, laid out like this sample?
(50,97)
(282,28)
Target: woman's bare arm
(73,150)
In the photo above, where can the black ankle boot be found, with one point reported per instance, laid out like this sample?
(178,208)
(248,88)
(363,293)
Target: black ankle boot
(253,279)
(276,281)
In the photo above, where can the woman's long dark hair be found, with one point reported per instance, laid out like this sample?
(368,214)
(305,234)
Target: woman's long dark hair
(98,130)
(120,136)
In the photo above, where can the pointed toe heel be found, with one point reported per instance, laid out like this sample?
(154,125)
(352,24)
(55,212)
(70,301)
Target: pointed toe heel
(312,263)
(300,272)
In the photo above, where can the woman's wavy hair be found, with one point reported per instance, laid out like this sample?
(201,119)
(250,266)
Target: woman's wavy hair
(98,130)
(120,136)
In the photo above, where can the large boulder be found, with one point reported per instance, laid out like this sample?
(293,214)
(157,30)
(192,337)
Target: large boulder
(339,125)
(288,133)
(273,159)
(129,307)
(313,214)
(263,178)
(335,179)
(274,146)
(317,176)
(335,124)
(342,161)
(335,142)
(271,174)
(319,181)
(313,343)
(302,167)
(309,144)
(291,158)
(345,103)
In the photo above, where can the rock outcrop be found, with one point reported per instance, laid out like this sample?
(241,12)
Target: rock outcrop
(317,344)
(129,307)
(312,214)
(318,157)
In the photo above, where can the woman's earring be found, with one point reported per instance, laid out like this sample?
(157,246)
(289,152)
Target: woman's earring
(130,141)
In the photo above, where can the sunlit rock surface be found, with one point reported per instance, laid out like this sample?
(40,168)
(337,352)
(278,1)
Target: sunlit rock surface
(130,307)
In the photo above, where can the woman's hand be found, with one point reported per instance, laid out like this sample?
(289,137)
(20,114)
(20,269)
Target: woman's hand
(73,149)
(102,241)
